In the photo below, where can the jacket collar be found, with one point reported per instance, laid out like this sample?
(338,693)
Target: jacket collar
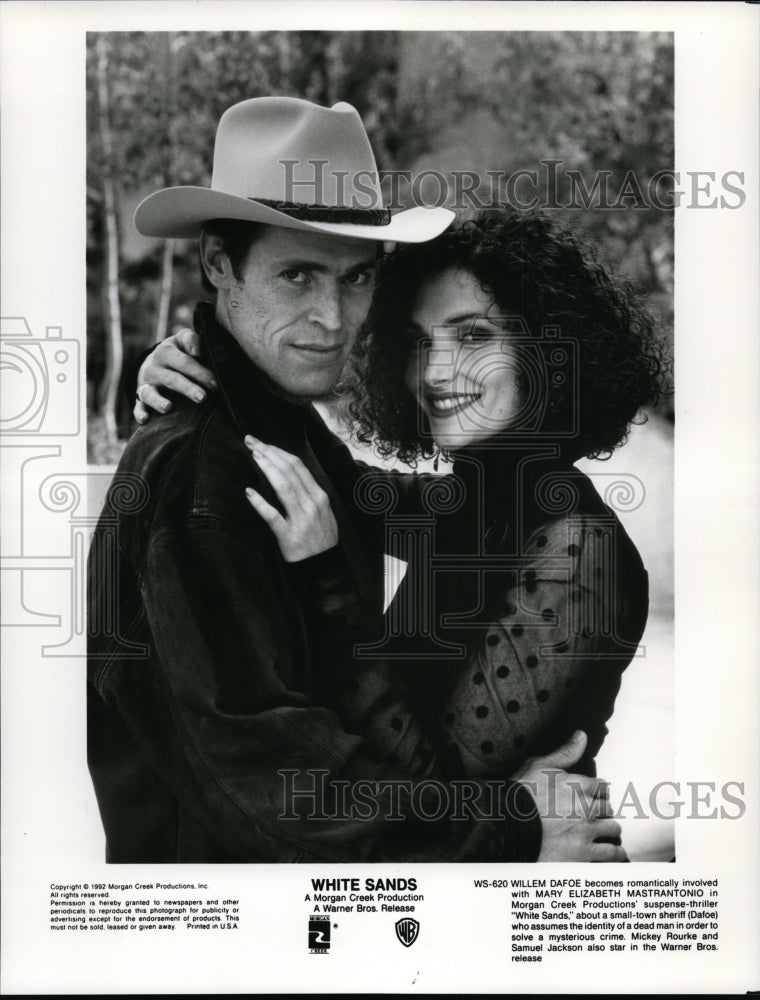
(255,403)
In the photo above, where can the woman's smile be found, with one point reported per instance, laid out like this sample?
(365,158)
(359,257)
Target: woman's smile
(448,405)
(462,367)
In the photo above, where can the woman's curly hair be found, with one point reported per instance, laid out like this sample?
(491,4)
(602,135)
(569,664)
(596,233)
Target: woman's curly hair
(540,272)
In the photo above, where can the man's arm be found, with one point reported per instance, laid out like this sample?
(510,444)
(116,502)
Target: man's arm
(372,696)
(373,700)
(232,687)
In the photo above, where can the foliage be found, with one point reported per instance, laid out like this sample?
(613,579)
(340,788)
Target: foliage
(595,101)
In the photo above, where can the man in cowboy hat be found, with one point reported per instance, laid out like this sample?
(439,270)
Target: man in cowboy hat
(213,686)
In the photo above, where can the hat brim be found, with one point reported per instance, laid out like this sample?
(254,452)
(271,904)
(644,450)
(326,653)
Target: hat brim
(180,212)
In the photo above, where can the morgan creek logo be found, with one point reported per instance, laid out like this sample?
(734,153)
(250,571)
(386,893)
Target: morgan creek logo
(407,931)
(319,934)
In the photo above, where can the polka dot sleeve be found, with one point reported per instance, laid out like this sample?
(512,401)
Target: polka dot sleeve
(550,661)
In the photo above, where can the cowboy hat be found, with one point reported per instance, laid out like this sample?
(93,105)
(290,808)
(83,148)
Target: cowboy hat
(287,162)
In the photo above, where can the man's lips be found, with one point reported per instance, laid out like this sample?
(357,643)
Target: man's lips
(447,406)
(320,350)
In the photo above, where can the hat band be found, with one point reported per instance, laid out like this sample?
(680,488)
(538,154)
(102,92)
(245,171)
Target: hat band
(329,213)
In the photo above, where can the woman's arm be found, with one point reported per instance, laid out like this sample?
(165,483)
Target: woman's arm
(175,367)
(550,660)
(170,366)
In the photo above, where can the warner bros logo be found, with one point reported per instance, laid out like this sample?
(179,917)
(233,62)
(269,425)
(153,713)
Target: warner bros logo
(407,931)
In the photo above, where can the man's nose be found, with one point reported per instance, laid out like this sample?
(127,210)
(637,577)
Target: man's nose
(326,309)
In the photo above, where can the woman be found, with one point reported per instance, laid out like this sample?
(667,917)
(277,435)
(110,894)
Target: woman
(505,345)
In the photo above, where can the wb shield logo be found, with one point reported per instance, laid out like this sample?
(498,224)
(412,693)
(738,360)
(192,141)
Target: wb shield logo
(407,931)
(319,934)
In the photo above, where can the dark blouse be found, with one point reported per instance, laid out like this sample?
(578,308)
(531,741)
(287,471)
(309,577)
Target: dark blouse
(547,596)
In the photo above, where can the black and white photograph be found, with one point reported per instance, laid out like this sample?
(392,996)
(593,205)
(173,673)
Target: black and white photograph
(241,671)
(368,479)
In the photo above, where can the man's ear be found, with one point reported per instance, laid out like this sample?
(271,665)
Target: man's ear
(216,262)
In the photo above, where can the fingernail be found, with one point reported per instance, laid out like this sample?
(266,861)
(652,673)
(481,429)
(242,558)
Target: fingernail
(213,383)
(249,492)
(199,396)
(165,407)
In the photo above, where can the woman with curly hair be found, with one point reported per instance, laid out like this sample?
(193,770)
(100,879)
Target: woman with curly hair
(537,283)
(506,346)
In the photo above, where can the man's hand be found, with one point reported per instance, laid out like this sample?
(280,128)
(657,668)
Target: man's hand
(171,366)
(574,808)
(309,526)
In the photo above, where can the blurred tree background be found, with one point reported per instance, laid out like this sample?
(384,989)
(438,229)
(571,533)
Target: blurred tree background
(474,101)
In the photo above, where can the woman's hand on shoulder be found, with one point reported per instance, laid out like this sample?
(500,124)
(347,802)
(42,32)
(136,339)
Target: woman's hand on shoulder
(309,526)
(171,365)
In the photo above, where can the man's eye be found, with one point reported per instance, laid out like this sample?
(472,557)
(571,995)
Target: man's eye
(360,278)
(296,276)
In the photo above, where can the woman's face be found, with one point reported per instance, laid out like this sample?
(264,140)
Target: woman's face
(461,367)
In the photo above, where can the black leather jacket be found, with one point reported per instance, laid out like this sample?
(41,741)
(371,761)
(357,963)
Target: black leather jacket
(206,668)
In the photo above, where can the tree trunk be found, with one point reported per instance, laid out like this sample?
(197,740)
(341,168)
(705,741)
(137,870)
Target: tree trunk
(165,295)
(114,349)
(654,268)
(164,42)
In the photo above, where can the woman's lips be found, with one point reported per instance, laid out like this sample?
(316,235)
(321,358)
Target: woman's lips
(447,406)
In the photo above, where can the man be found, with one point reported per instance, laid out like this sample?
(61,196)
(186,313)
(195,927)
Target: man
(215,729)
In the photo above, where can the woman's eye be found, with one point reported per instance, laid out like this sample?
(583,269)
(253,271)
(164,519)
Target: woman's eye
(478,334)
(295,276)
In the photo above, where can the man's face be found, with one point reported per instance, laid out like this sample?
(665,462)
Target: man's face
(298,305)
